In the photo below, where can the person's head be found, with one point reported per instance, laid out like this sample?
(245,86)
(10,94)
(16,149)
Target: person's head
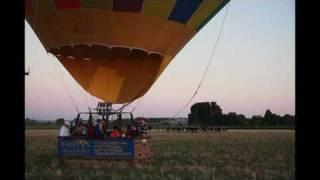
(142,122)
(66,124)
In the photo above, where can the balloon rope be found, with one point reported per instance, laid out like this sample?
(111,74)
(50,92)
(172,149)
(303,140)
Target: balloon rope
(134,108)
(92,99)
(69,38)
(79,88)
(87,80)
(66,87)
(84,97)
(127,104)
(207,67)
(123,106)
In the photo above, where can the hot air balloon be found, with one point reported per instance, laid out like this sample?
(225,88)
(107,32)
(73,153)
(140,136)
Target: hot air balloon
(116,49)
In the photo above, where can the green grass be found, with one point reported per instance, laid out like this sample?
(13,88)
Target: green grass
(235,155)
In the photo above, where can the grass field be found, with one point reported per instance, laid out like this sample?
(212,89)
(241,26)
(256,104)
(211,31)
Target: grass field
(237,154)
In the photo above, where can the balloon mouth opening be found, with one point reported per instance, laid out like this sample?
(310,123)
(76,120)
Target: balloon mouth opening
(103,52)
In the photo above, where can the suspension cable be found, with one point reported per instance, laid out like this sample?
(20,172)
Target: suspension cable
(84,98)
(92,99)
(78,88)
(134,108)
(66,87)
(207,67)
(123,106)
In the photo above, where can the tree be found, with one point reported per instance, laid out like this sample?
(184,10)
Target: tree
(59,121)
(179,124)
(257,120)
(29,121)
(232,119)
(216,114)
(209,113)
(287,120)
(200,113)
(242,120)
(205,113)
(268,117)
(165,124)
(275,120)
(215,108)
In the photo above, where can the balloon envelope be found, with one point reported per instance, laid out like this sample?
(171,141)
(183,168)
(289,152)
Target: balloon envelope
(116,49)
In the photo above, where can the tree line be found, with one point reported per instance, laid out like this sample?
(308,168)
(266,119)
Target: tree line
(201,114)
(210,114)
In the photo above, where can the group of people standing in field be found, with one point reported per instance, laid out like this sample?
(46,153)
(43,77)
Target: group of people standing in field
(99,130)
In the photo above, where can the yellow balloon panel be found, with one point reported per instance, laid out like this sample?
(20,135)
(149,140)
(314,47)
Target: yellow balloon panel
(116,80)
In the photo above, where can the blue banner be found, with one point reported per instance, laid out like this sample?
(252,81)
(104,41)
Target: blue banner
(113,148)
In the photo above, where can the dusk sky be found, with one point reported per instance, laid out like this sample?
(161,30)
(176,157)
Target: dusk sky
(253,69)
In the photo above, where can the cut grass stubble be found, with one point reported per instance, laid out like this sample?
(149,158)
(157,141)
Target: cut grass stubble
(232,155)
